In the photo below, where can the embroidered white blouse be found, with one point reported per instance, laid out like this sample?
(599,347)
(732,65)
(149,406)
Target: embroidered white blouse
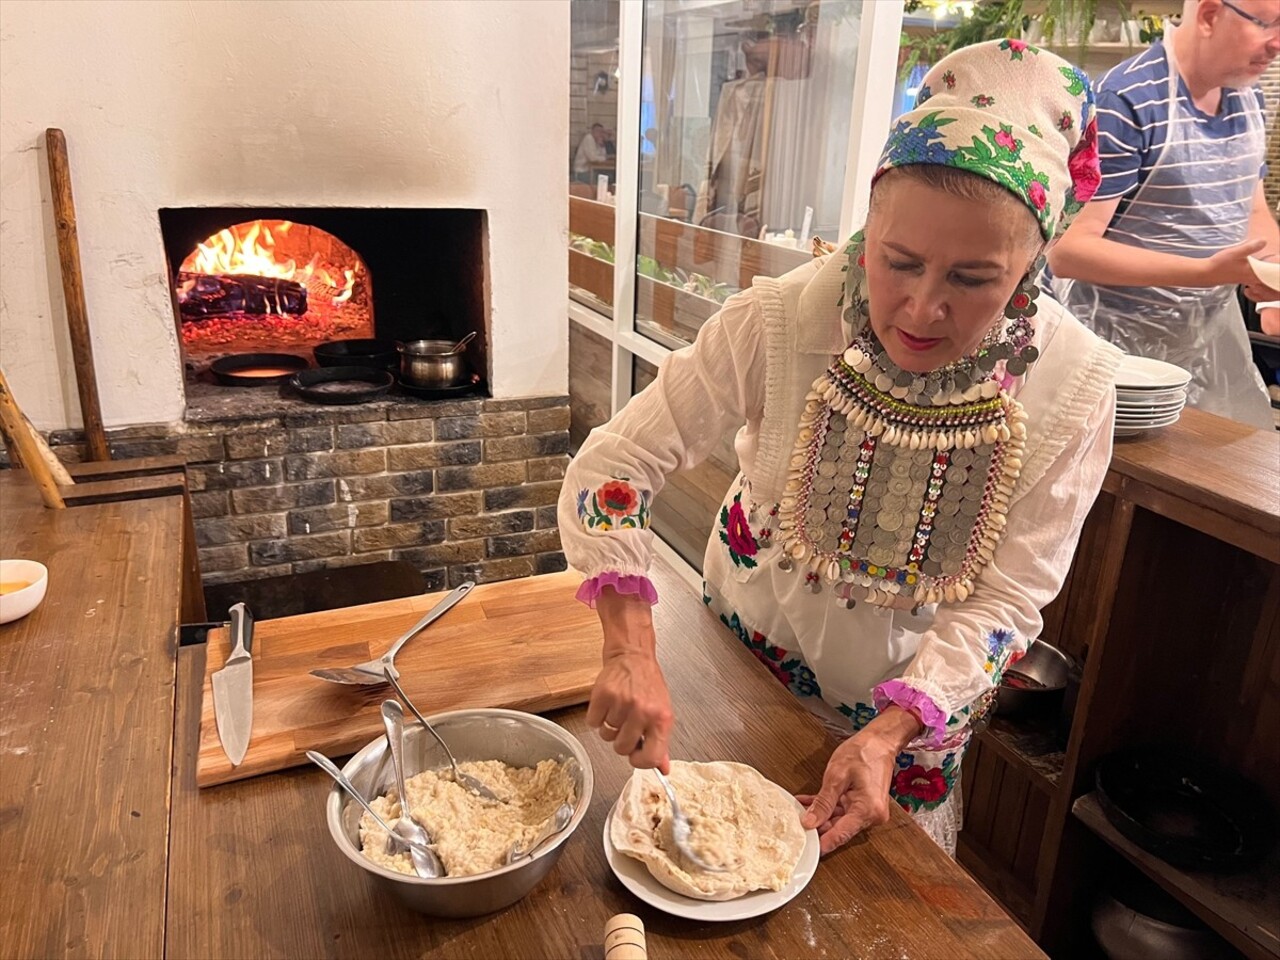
(750,367)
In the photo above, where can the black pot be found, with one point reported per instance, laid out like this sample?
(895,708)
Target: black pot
(239,370)
(378,354)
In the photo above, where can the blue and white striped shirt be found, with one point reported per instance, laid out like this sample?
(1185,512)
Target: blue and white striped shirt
(1133,121)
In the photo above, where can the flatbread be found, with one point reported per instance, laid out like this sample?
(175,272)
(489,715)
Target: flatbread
(740,821)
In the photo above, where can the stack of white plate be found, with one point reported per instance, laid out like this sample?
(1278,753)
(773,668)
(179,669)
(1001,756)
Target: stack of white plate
(1149,394)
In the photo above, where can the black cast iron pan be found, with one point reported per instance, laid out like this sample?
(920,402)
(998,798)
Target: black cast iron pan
(342,384)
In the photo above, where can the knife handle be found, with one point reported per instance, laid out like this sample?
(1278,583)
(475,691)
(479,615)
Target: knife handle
(241,630)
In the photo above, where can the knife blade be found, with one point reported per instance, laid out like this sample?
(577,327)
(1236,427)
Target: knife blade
(233,688)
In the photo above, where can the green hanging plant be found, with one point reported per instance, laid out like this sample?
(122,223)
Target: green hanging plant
(1000,19)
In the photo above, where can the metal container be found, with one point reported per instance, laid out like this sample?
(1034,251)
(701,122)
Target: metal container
(1046,668)
(429,364)
(516,738)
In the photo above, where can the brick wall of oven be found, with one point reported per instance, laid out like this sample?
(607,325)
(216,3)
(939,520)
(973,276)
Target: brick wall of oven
(462,489)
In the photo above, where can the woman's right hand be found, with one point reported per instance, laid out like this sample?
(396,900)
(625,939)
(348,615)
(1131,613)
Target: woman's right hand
(630,705)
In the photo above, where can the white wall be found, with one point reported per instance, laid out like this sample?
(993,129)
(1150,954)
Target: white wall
(437,103)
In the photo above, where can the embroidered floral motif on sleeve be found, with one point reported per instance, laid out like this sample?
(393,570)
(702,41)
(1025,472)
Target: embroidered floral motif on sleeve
(998,642)
(924,94)
(789,669)
(983,100)
(615,505)
(949,78)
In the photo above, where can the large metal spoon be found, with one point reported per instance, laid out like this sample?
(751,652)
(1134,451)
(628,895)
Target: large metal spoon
(465,780)
(407,828)
(373,672)
(559,820)
(395,843)
(680,829)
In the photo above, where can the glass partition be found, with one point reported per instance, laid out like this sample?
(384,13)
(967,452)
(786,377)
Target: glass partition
(745,113)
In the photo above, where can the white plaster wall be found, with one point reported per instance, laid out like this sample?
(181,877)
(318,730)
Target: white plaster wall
(436,103)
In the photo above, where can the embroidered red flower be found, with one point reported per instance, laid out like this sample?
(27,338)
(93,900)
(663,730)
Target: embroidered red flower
(1066,121)
(916,781)
(1017,46)
(740,540)
(1006,140)
(1037,194)
(1086,170)
(617,498)
(949,78)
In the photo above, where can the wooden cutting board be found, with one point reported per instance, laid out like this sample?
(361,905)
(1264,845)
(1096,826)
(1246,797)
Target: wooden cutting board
(524,644)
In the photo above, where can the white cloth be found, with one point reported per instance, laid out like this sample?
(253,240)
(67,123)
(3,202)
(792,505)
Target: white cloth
(751,365)
(588,152)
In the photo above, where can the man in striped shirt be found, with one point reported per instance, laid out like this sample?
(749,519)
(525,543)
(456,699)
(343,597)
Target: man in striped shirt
(1152,261)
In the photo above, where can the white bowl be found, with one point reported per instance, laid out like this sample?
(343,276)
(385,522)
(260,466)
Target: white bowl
(1267,272)
(21,602)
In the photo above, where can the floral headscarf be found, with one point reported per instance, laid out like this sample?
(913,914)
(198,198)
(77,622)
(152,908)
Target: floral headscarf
(1013,113)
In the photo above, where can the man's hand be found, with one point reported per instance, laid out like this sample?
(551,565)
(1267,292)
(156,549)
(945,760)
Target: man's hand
(1231,267)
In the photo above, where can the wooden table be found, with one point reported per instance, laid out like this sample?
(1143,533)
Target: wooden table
(157,867)
(86,726)
(254,872)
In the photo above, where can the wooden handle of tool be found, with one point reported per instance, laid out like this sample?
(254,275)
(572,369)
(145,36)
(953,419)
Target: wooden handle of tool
(64,215)
(56,467)
(17,435)
(624,938)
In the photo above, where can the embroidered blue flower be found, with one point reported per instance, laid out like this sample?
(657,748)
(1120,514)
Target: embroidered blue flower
(582,501)
(905,760)
(997,640)
(792,672)
(924,94)
(860,714)
(918,144)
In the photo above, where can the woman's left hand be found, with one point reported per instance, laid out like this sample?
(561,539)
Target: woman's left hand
(855,786)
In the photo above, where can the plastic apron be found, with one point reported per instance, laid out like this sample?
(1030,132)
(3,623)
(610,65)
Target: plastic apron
(1181,209)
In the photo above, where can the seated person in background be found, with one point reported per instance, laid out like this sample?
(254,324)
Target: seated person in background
(590,150)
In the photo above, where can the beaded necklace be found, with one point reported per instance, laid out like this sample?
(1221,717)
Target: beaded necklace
(899,483)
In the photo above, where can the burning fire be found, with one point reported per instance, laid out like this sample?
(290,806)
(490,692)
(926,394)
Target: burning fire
(249,249)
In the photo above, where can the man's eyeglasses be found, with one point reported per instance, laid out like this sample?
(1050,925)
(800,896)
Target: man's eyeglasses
(1267,25)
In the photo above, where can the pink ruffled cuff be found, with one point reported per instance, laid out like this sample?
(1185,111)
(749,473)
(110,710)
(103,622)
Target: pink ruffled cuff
(628,584)
(902,694)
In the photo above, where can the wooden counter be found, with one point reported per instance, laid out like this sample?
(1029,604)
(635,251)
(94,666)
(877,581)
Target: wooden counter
(86,726)
(1173,605)
(149,866)
(254,872)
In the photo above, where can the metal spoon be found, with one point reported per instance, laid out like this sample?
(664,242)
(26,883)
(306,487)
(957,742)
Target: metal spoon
(407,828)
(680,829)
(461,344)
(465,780)
(559,820)
(395,843)
(373,672)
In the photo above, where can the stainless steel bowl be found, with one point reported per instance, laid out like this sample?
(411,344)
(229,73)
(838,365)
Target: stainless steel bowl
(429,364)
(1047,669)
(516,738)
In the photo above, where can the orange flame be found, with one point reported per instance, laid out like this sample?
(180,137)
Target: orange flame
(249,248)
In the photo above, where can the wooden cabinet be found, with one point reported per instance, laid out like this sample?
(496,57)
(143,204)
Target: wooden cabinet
(1173,603)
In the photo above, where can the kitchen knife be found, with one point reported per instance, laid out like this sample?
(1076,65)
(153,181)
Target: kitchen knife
(233,688)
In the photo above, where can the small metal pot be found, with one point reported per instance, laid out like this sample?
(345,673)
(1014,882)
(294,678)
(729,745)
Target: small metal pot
(429,364)
(1043,675)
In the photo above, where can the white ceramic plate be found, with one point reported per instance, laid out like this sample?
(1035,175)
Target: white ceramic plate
(1150,396)
(1147,413)
(1133,429)
(1144,372)
(1168,417)
(1150,405)
(635,876)
(1267,271)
